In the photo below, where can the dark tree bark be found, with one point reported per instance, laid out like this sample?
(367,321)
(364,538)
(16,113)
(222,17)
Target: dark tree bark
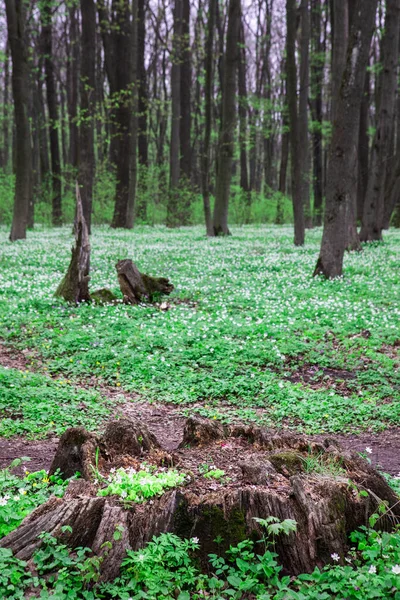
(317,77)
(88,83)
(291,83)
(175,147)
(228,123)
(372,221)
(143,158)
(185,92)
(339,49)
(363,148)
(16,21)
(243,110)
(4,151)
(123,114)
(208,89)
(133,137)
(44,143)
(342,163)
(303,111)
(52,103)
(72,88)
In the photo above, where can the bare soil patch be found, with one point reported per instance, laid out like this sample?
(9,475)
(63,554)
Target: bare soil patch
(316,376)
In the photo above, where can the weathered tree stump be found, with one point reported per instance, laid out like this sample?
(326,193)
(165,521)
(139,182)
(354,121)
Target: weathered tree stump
(75,285)
(138,287)
(265,475)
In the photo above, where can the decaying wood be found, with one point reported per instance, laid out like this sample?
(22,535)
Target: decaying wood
(325,507)
(138,287)
(75,285)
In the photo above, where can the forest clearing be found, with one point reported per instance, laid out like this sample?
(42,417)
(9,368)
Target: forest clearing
(247,338)
(199,299)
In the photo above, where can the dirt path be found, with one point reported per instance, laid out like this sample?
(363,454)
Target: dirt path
(167,425)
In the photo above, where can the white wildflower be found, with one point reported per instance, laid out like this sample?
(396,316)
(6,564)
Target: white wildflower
(372,570)
(396,569)
(335,557)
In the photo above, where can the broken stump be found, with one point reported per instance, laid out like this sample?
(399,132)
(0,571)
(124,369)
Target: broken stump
(257,483)
(138,287)
(75,285)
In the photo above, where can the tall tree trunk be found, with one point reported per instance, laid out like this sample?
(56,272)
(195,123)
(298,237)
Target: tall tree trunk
(16,21)
(363,148)
(243,109)
(72,89)
(123,114)
(372,221)
(342,158)
(208,88)
(291,82)
(339,48)
(185,99)
(130,214)
(143,159)
(52,102)
(4,151)
(317,78)
(303,111)
(86,133)
(175,171)
(228,124)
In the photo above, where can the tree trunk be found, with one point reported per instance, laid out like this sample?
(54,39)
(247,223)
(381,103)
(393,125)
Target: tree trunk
(243,110)
(363,149)
(175,147)
(342,163)
(88,83)
(72,89)
(228,123)
(141,210)
(4,151)
(52,102)
(185,93)
(291,83)
(317,78)
(16,21)
(208,89)
(303,112)
(130,211)
(75,285)
(269,479)
(372,222)
(124,98)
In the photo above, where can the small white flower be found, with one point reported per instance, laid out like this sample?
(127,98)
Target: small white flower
(195,540)
(141,558)
(3,501)
(22,491)
(396,569)
(123,494)
(372,570)
(368,450)
(335,557)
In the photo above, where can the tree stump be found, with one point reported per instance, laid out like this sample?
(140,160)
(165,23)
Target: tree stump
(264,475)
(138,287)
(75,285)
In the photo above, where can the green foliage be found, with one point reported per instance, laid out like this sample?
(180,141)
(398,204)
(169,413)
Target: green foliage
(248,334)
(35,405)
(167,569)
(19,496)
(137,486)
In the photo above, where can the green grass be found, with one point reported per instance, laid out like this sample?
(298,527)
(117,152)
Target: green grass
(244,316)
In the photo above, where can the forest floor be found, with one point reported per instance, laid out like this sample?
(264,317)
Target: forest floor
(247,336)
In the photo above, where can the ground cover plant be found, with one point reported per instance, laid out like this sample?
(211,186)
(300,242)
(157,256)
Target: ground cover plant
(247,334)
(167,569)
